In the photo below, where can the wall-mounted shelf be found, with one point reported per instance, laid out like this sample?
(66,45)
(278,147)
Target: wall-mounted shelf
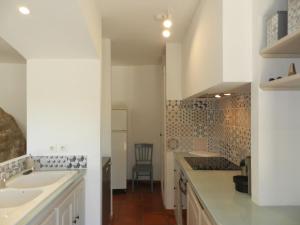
(286,47)
(285,83)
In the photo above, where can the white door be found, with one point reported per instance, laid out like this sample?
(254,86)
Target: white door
(119,160)
(51,219)
(119,119)
(65,211)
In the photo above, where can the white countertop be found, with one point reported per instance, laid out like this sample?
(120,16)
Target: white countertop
(23,214)
(215,190)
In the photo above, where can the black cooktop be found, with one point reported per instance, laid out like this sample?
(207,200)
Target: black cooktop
(211,163)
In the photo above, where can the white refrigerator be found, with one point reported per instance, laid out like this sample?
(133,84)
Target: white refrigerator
(119,149)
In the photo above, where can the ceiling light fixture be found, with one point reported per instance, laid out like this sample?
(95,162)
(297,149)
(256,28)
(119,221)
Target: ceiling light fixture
(166,33)
(24,10)
(167,23)
(218,96)
(227,94)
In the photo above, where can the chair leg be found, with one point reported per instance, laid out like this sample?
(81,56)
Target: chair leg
(132,180)
(151,180)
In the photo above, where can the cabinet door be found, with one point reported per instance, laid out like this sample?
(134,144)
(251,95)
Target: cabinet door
(79,204)
(65,211)
(205,219)
(51,219)
(194,210)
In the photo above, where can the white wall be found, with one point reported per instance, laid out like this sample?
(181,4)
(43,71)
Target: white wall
(140,89)
(13,91)
(63,108)
(275,122)
(106,99)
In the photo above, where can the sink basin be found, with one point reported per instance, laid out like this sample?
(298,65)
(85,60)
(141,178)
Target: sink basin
(35,179)
(13,198)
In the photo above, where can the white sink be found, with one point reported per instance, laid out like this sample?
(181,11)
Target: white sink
(13,198)
(35,179)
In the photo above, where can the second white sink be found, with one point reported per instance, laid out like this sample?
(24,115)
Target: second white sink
(13,198)
(35,179)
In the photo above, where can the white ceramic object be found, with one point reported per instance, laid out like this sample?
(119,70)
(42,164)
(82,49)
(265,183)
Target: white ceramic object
(13,197)
(36,179)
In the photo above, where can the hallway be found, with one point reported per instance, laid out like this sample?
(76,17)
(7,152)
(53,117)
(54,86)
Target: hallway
(141,207)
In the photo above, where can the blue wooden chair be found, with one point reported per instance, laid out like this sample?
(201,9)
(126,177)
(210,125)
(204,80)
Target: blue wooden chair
(143,163)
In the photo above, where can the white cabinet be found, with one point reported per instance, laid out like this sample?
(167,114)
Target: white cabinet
(51,219)
(65,211)
(196,214)
(68,209)
(214,57)
(194,210)
(205,219)
(79,204)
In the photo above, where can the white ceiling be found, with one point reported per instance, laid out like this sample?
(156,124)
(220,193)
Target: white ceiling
(54,29)
(135,34)
(9,54)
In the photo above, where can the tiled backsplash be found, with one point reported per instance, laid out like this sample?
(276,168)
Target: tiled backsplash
(60,162)
(17,165)
(217,125)
(12,167)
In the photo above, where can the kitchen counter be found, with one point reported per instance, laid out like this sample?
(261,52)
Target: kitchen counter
(23,214)
(215,190)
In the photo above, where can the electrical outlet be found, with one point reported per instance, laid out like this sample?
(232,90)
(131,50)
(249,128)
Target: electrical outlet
(62,148)
(53,148)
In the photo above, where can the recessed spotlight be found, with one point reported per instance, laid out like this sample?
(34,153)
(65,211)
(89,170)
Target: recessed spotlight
(24,10)
(227,94)
(167,23)
(166,33)
(217,96)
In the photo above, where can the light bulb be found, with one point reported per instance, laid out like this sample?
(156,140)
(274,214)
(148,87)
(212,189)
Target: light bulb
(167,23)
(166,33)
(227,94)
(24,10)
(217,96)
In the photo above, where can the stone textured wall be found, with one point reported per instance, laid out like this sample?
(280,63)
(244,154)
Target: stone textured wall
(216,125)
(12,140)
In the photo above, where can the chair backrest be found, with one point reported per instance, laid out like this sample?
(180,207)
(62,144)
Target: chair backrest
(143,153)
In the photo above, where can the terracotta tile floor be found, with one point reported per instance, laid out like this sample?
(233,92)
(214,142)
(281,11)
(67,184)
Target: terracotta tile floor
(141,207)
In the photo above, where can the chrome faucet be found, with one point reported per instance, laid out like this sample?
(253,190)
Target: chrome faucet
(2,180)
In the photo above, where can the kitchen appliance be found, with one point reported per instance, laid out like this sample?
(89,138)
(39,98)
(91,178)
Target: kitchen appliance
(180,196)
(196,163)
(211,163)
(243,182)
(119,149)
